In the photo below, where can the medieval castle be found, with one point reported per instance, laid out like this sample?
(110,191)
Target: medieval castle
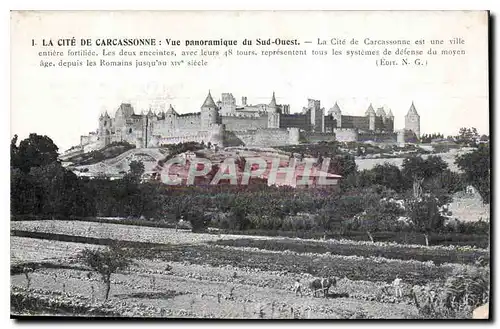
(225,123)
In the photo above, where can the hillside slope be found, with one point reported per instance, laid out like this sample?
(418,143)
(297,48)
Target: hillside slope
(119,165)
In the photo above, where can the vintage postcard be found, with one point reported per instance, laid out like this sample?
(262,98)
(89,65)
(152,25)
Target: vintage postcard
(250,164)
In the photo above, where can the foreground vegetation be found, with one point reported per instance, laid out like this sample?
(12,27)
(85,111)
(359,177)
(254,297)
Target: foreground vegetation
(269,264)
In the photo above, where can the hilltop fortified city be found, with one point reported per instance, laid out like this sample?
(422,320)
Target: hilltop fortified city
(226,123)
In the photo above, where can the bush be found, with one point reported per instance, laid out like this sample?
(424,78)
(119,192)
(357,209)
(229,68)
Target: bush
(381,216)
(299,222)
(265,222)
(479,227)
(221,220)
(199,222)
(464,290)
(469,288)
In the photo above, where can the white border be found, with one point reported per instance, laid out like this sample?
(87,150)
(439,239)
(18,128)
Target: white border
(8,5)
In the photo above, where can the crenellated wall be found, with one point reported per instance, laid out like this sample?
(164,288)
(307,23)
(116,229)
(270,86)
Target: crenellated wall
(267,137)
(350,121)
(301,121)
(214,136)
(244,123)
(177,125)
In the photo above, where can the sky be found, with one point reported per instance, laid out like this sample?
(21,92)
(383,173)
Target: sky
(449,92)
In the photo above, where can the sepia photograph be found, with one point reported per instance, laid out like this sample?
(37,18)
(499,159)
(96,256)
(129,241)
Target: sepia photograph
(271,165)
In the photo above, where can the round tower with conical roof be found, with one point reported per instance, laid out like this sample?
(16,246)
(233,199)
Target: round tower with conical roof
(171,119)
(370,113)
(412,120)
(209,113)
(336,114)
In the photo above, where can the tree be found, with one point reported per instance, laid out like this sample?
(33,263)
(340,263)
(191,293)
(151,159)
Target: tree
(388,175)
(484,138)
(240,209)
(23,199)
(427,138)
(413,167)
(444,185)
(136,169)
(344,165)
(50,184)
(35,151)
(41,185)
(198,220)
(425,215)
(350,204)
(106,263)
(418,168)
(434,165)
(14,153)
(467,136)
(476,166)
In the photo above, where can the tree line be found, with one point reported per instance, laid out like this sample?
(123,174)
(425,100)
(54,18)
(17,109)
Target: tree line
(466,136)
(41,186)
